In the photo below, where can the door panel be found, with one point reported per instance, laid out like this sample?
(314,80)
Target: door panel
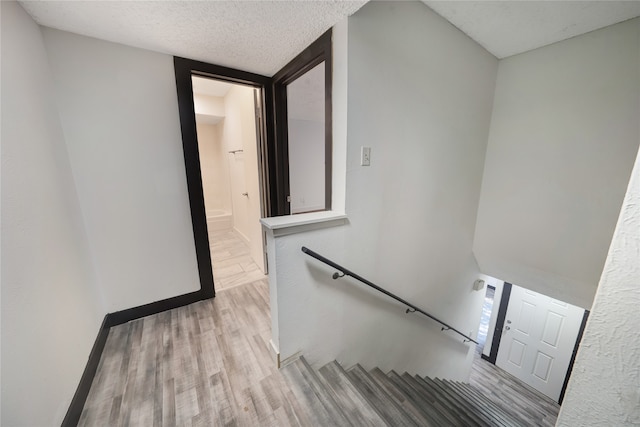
(516,354)
(542,366)
(538,340)
(552,329)
(525,317)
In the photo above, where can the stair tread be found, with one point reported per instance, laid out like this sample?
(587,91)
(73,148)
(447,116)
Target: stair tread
(323,409)
(384,404)
(502,415)
(412,410)
(333,396)
(444,408)
(490,413)
(354,405)
(422,403)
(470,412)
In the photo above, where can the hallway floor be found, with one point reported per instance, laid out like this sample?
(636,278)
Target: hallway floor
(232,264)
(209,363)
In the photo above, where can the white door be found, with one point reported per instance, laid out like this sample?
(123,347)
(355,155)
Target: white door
(538,338)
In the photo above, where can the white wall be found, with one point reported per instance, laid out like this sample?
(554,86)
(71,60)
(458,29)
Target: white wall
(239,133)
(411,213)
(604,388)
(215,168)
(51,309)
(119,112)
(564,134)
(306,165)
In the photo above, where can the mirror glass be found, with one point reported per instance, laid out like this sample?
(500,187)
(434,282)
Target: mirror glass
(306,141)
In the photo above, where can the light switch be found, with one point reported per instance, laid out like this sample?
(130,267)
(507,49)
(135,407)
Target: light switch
(365,156)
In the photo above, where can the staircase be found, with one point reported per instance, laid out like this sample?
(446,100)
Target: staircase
(333,396)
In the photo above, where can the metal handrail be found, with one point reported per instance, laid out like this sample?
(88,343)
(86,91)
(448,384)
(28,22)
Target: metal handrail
(412,308)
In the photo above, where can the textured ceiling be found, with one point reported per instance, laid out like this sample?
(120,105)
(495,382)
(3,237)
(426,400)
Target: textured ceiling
(262,36)
(507,28)
(255,36)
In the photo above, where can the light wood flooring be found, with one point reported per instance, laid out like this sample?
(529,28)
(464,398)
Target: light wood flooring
(170,368)
(209,364)
(232,264)
(502,387)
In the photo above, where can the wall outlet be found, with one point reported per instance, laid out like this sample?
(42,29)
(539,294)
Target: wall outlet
(365,156)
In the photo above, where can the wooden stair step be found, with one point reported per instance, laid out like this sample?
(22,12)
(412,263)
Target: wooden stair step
(422,405)
(358,410)
(471,412)
(307,388)
(407,404)
(448,414)
(490,414)
(452,403)
(380,400)
(500,414)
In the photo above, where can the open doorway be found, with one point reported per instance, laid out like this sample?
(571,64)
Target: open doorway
(227,134)
(485,318)
(260,148)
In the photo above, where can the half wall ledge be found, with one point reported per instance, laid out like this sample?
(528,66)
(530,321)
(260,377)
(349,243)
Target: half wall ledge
(300,223)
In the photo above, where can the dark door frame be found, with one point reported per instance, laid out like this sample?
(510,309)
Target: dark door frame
(318,52)
(184,70)
(497,331)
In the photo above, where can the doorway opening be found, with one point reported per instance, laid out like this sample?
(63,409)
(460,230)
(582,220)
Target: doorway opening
(259,196)
(273,192)
(485,318)
(228,135)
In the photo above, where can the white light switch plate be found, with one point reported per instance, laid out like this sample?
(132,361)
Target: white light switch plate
(365,156)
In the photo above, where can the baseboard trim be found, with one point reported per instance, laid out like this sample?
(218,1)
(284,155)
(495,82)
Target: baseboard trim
(80,397)
(275,353)
(289,359)
(124,316)
(242,236)
(113,319)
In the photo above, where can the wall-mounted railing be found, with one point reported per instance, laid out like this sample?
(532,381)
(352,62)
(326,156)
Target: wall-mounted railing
(411,308)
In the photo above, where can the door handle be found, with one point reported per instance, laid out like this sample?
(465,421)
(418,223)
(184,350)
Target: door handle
(507,328)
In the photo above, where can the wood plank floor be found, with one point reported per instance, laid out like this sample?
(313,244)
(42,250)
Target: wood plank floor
(507,390)
(231,260)
(168,369)
(209,364)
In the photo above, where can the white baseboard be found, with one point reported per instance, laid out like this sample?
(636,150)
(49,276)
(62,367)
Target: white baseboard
(242,236)
(290,359)
(275,353)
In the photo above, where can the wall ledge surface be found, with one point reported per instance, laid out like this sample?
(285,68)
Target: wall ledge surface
(300,223)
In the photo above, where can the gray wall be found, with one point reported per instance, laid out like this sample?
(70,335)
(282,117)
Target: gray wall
(51,309)
(564,134)
(119,111)
(420,95)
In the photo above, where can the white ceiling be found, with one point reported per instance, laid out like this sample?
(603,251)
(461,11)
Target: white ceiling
(262,36)
(507,28)
(255,36)
(210,87)
(208,119)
